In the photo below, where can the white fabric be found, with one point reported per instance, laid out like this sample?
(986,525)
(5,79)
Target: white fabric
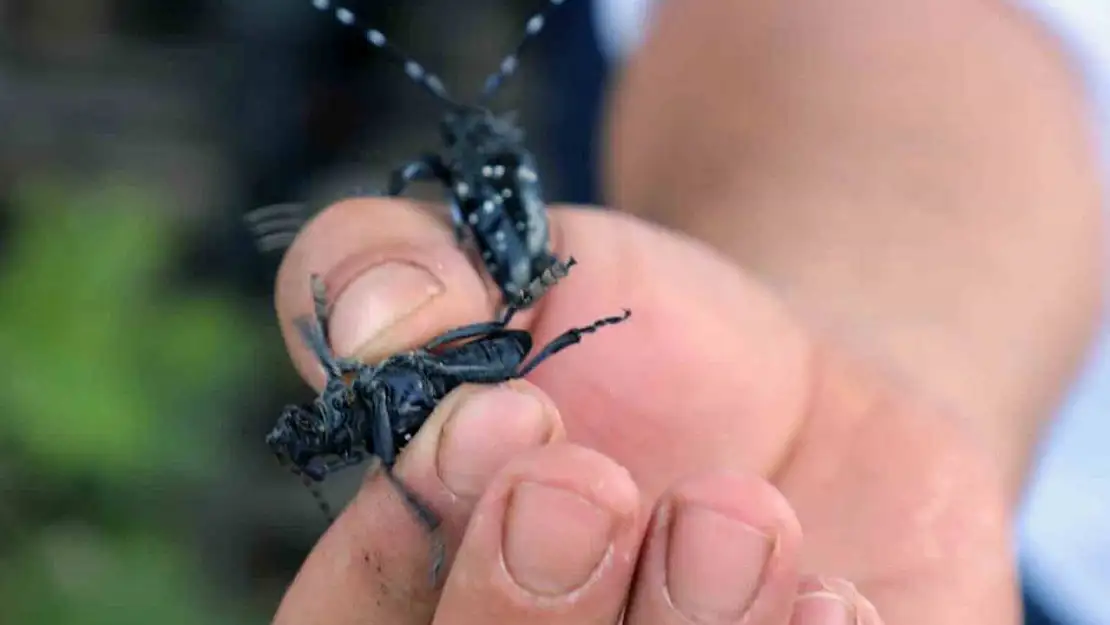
(1064,533)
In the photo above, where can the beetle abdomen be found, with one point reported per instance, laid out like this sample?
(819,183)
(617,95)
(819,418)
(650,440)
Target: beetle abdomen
(508,220)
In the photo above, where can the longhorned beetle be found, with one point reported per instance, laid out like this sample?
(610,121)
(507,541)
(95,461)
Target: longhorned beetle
(490,177)
(375,410)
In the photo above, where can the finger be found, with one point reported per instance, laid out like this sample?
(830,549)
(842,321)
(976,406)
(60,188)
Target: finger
(722,548)
(395,277)
(742,404)
(553,541)
(373,564)
(832,601)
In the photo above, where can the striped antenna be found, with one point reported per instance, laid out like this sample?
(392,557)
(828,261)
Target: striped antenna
(313,489)
(317,496)
(508,64)
(376,38)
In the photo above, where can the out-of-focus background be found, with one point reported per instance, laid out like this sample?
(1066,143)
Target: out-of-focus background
(142,364)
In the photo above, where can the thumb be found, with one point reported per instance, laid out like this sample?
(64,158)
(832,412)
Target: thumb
(394,278)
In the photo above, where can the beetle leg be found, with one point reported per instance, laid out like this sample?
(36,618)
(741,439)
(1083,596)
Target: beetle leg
(555,270)
(483,328)
(353,458)
(315,332)
(568,338)
(381,445)
(483,373)
(426,167)
(458,223)
(429,519)
(528,296)
(312,333)
(320,305)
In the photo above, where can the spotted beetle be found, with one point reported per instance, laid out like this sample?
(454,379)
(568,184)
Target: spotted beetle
(488,174)
(375,410)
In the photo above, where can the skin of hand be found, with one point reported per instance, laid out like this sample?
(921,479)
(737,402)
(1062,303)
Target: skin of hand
(712,393)
(918,177)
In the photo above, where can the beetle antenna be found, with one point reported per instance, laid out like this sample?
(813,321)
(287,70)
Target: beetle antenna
(317,495)
(313,489)
(415,71)
(508,64)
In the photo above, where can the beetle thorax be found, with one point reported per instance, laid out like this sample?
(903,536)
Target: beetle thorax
(473,134)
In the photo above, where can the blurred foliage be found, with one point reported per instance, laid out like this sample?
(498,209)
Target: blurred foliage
(133,397)
(115,388)
(76,576)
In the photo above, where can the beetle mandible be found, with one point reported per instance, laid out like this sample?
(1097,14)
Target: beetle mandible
(375,410)
(489,175)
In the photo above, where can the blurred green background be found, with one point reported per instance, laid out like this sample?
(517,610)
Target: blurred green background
(142,362)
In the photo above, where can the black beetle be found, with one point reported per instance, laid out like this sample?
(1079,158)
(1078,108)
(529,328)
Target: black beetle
(490,177)
(375,410)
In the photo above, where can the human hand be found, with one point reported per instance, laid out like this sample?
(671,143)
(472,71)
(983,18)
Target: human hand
(711,374)
(542,531)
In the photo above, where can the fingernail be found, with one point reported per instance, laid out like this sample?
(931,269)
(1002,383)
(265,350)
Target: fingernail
(554,538)
(486,430)
(714,564)
(822,608)
(375,301)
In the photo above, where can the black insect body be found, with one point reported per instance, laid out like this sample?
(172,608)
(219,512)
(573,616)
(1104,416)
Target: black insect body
(375,410)
(495,196)
(490,177)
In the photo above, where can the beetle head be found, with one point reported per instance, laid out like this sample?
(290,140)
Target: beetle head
(299,435)
(479,127)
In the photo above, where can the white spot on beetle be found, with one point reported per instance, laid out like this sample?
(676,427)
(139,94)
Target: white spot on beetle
(521,272)
(345,16)
(535,24)
(435,84)
(375,37)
